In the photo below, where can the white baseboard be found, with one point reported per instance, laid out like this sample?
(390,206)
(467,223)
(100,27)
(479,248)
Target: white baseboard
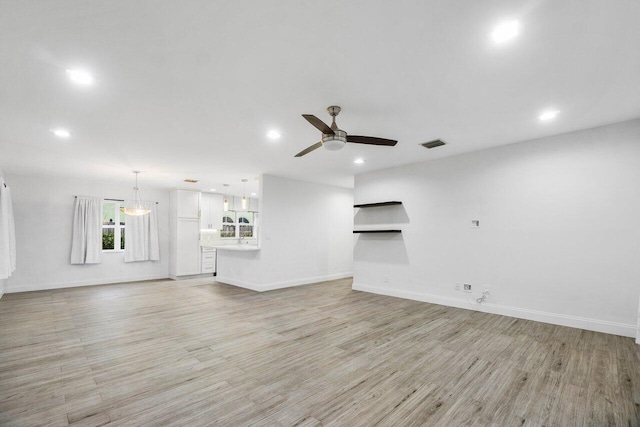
(78,283)
(262,287)
(191,276)
(2,287)
(623,329)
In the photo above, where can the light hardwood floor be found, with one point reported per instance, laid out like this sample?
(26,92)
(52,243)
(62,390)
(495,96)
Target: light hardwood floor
(197,352)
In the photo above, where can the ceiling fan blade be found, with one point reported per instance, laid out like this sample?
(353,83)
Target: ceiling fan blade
(318,124)
(357,139)
(310,149)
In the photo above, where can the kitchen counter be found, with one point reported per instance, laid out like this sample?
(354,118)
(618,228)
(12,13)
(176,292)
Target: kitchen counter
(235,247)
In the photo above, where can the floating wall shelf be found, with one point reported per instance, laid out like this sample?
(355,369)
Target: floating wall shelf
(377,231)
(374,205)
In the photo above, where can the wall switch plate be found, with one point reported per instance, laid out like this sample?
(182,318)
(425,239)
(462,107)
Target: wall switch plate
(475,223)
(457,287)
(467,287)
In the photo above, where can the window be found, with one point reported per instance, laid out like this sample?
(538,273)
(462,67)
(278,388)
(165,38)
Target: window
(112,226)
(228,225)
(237,225)
(245,224)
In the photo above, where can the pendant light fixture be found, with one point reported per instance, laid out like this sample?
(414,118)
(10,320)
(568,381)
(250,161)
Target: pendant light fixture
(225,203)
(135,206)
(244,195)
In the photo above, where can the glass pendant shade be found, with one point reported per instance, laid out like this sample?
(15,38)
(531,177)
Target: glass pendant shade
(244,195)
(225,205)
(135,206)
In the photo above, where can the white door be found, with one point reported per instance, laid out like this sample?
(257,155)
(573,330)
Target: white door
(188,246)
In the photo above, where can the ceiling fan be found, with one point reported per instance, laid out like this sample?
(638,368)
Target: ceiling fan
(334,139)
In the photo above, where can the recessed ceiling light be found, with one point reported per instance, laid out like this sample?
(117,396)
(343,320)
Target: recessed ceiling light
(358,161)
(61,133)
(213,189)
(254,194)
(505,31)
(273,135)
(81,77)
(548,115)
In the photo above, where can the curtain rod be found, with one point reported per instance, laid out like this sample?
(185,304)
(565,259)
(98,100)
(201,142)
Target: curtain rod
(115,200)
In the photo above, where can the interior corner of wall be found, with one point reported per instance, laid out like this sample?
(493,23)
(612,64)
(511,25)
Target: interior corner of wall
(638,325)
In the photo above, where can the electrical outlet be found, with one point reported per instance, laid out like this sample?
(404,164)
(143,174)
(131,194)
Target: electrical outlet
(475,223)
(457,286)
(386,279)
(467,287)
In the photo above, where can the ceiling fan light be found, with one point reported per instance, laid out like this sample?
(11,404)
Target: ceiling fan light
(333,144)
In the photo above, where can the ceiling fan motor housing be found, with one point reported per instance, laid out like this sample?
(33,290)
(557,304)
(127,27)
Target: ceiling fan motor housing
(334,142)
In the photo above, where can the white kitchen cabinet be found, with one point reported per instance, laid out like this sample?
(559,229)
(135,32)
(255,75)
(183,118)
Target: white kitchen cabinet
(187,203)
(211,211)
(184,233)
(188,247)
(208,263)
(253,204)
(237,203)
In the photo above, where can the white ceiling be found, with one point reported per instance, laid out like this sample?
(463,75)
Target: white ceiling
(188,89)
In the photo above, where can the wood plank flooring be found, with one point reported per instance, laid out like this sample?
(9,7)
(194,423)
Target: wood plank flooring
(196,352)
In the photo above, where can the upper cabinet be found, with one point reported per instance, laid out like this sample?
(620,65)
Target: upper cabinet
(211,211)
(235,204)
(188,204)
(253,204)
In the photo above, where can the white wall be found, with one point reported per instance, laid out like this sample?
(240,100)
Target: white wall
(558,240)
(3,282)
(43,208)
(305,236)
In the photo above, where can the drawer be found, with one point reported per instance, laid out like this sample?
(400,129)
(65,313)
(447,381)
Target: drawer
(208,258)
(208,268)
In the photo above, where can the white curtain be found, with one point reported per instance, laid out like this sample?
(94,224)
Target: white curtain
(7,232)
(141,235)
(86,243)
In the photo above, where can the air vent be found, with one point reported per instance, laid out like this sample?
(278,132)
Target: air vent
(191,181)
(433,144)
